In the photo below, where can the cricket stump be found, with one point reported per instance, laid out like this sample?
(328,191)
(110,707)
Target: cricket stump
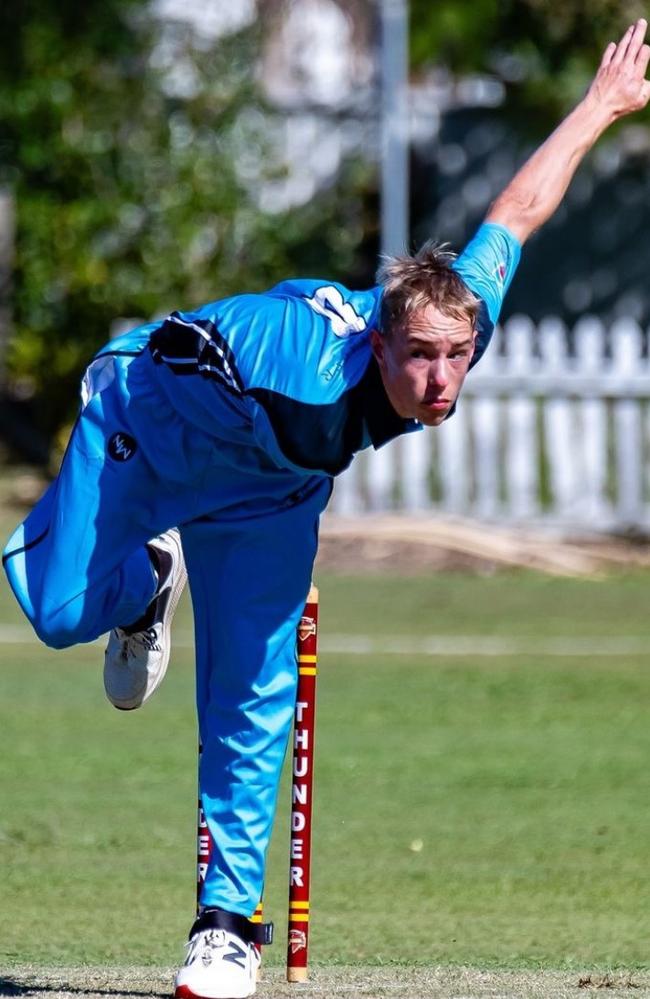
(301,792)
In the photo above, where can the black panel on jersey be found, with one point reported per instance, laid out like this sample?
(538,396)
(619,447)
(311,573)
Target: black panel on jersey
(195,347)
(327,436)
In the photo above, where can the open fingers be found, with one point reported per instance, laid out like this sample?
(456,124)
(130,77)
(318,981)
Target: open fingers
(637,39)
(632,42)
(621,48)
(642,59)
(607,55)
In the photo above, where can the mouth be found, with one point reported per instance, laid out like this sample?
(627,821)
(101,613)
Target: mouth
(436,405)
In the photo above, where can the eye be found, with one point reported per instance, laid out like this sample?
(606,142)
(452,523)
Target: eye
(418,354)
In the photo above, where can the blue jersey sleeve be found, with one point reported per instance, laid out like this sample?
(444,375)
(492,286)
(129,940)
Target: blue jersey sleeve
(348,312)
(305,339)
(487,266)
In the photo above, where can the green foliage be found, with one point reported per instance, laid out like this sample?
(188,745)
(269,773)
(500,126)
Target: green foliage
(545,51)
(136,151)
(123,140)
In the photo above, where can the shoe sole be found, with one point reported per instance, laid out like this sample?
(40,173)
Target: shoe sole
(174,597)
(185,992)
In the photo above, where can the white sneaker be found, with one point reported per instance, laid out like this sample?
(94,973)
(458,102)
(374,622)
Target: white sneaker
(137,656)
(222,959)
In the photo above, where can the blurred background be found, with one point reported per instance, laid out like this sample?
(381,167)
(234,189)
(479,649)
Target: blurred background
(156,155)
(483,743)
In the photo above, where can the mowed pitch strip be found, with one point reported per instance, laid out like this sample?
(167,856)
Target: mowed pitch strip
(427,645)
(336,983)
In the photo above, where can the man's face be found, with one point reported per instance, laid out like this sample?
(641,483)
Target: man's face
(423,364)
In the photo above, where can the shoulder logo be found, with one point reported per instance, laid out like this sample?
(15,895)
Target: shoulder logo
(328,302)
(121,446)
(500,271)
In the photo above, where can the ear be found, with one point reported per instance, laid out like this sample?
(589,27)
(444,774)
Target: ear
(377,344)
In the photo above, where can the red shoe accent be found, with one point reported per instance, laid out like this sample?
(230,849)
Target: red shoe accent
(183,992)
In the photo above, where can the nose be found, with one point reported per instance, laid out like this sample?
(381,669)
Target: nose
(439,372)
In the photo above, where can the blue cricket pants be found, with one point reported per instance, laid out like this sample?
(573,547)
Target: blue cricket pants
(185,456)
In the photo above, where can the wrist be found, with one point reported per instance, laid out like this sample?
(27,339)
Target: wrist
(598,113)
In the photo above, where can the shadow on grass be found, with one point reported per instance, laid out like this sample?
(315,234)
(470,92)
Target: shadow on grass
(10,987)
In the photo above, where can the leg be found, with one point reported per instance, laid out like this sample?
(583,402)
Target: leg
(249,581)
(78,565)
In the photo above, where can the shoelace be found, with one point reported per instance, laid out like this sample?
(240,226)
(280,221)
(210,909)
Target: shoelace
(204,942)
(132,645)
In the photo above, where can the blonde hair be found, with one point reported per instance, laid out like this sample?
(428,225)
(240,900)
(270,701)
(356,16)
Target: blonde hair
(411,283)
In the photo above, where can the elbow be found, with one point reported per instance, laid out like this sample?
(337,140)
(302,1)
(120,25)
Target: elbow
(518,212)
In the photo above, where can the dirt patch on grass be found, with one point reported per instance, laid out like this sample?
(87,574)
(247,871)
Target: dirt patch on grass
(409,544)
(337,983)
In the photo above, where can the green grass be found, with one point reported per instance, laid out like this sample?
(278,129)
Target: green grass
(484,812)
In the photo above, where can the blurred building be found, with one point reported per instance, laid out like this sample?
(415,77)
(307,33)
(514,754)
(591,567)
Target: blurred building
(563,388)
(318,70)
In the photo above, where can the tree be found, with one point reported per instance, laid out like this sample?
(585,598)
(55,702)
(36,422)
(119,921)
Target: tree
(543,53)
(135,150)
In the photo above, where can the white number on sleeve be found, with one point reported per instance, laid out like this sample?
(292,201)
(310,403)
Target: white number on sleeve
(328,301)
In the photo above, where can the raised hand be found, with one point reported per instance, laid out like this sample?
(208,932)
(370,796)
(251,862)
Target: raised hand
(620,86)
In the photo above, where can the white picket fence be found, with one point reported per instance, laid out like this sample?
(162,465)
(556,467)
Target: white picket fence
(553,426)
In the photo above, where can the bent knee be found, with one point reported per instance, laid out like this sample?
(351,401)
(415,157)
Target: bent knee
(58,629)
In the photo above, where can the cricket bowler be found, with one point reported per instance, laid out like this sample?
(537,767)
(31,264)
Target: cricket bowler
(206,447)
